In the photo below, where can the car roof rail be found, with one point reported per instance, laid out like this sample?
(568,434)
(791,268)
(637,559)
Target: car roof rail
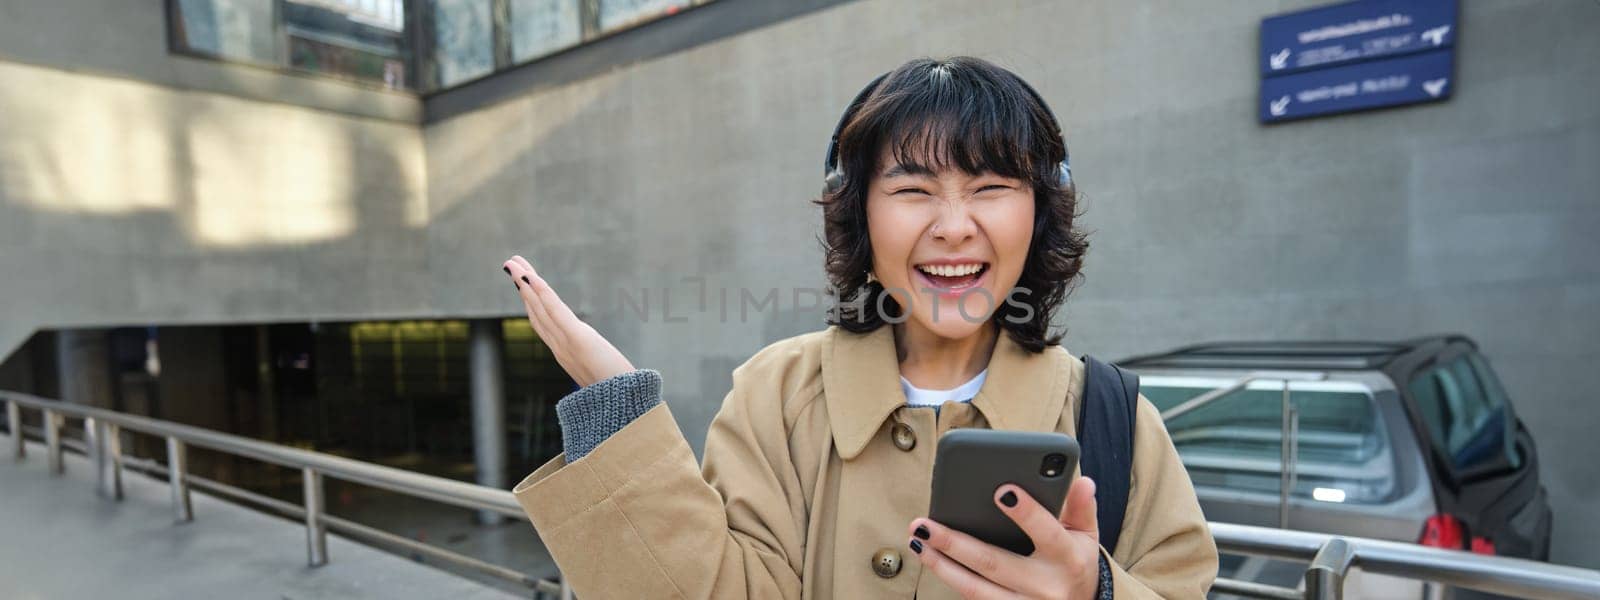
(1296,354)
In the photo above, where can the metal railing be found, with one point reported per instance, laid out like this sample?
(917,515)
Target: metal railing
(102,443)
(1330,557)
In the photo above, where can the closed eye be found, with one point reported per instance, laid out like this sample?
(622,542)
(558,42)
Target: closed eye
(994,187)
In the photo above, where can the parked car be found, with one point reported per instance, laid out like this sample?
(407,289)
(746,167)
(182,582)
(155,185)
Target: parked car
(1414,441)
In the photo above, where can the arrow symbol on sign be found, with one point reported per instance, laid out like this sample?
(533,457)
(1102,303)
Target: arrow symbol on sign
(1436,35)
(1435,86)
(1279,59)
(1279,106)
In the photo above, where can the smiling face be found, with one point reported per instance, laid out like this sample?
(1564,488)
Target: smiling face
(947,243)
(946,176)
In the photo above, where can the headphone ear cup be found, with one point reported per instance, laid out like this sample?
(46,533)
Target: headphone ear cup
(833,182)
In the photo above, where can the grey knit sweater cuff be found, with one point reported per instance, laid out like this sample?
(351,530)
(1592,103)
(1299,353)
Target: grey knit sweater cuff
(1104,590)
(591,414)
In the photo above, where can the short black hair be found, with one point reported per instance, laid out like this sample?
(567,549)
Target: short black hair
(970,114)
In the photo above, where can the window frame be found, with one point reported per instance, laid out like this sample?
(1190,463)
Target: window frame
(178,46)
(501,44)
(421,67)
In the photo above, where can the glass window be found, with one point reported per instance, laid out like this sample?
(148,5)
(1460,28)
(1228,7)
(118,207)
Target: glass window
(240,30)
(463,40)
(356,39)
(621,14)
(1468,424)
(353,39)
(1495,394)
(541,27)
(372,40)
(1235,441)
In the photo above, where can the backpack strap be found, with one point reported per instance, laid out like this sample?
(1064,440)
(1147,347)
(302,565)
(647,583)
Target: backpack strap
(1105,436)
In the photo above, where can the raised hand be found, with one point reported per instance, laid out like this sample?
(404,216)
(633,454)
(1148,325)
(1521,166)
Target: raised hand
(583,353)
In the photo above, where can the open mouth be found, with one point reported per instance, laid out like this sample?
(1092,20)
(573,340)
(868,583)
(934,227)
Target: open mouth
(953,279)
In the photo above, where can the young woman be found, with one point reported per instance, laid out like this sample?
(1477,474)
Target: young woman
(949,235)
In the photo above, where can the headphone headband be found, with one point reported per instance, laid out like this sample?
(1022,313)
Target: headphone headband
(849,111)
(833,176)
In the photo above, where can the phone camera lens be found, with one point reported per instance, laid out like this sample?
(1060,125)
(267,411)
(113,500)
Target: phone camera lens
(1054,464)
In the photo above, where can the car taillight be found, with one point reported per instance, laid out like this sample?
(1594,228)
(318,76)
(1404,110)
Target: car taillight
(1443,531)
(1482,545)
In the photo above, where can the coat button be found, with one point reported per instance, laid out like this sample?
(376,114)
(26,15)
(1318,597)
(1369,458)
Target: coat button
(886,562)
(904,438)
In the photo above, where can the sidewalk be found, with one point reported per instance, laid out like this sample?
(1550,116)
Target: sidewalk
(64,540)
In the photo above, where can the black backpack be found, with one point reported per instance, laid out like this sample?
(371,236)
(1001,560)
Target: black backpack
(1105,437)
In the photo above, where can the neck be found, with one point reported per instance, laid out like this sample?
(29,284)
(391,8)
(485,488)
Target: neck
(929,361)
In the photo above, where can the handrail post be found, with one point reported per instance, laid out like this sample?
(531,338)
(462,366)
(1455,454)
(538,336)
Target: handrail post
(52,441)
(113,437)
(103,442)
(14,417)
(1325,577)
(94,441)
(1287,412)
(1294,452)
(316,530)
(178,477)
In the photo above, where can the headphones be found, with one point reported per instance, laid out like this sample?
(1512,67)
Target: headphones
(833,175)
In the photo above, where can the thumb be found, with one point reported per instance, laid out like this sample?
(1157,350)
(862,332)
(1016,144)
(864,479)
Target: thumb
(1079,513)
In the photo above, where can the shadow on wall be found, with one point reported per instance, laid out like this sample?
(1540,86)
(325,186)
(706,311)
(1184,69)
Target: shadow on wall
(125,202)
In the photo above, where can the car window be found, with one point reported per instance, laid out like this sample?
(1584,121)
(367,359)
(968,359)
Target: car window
(1465,418)
(1234,442)
(1495,396)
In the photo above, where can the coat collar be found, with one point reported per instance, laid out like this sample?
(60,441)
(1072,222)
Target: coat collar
(861,384)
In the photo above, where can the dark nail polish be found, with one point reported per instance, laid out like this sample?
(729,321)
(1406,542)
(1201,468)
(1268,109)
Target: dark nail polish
(921,532)
(916,546)
(516,285)
(1009,499)
(506,269)
(525,280)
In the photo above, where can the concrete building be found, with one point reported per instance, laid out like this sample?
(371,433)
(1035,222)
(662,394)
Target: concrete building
(141,187)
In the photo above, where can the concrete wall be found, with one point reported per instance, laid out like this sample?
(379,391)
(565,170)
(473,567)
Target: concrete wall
(1476,215)
(142,187)
(137,187)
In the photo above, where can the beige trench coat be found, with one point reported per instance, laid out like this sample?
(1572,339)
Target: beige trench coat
(803,484)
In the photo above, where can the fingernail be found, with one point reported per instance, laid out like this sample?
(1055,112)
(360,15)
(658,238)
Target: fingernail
(921,532)
(1009,499)
(525,280)
(516,285)
(916,546)
(506,269)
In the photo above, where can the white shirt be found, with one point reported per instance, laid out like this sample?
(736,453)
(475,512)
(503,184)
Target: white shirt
(916,396)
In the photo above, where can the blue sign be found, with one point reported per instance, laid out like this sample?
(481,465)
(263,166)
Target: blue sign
(1426,77)
(1355,31)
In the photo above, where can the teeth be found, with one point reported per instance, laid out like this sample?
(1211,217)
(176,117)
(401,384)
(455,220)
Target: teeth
(951,270)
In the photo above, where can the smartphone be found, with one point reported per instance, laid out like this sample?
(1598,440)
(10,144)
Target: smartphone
(971,463)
